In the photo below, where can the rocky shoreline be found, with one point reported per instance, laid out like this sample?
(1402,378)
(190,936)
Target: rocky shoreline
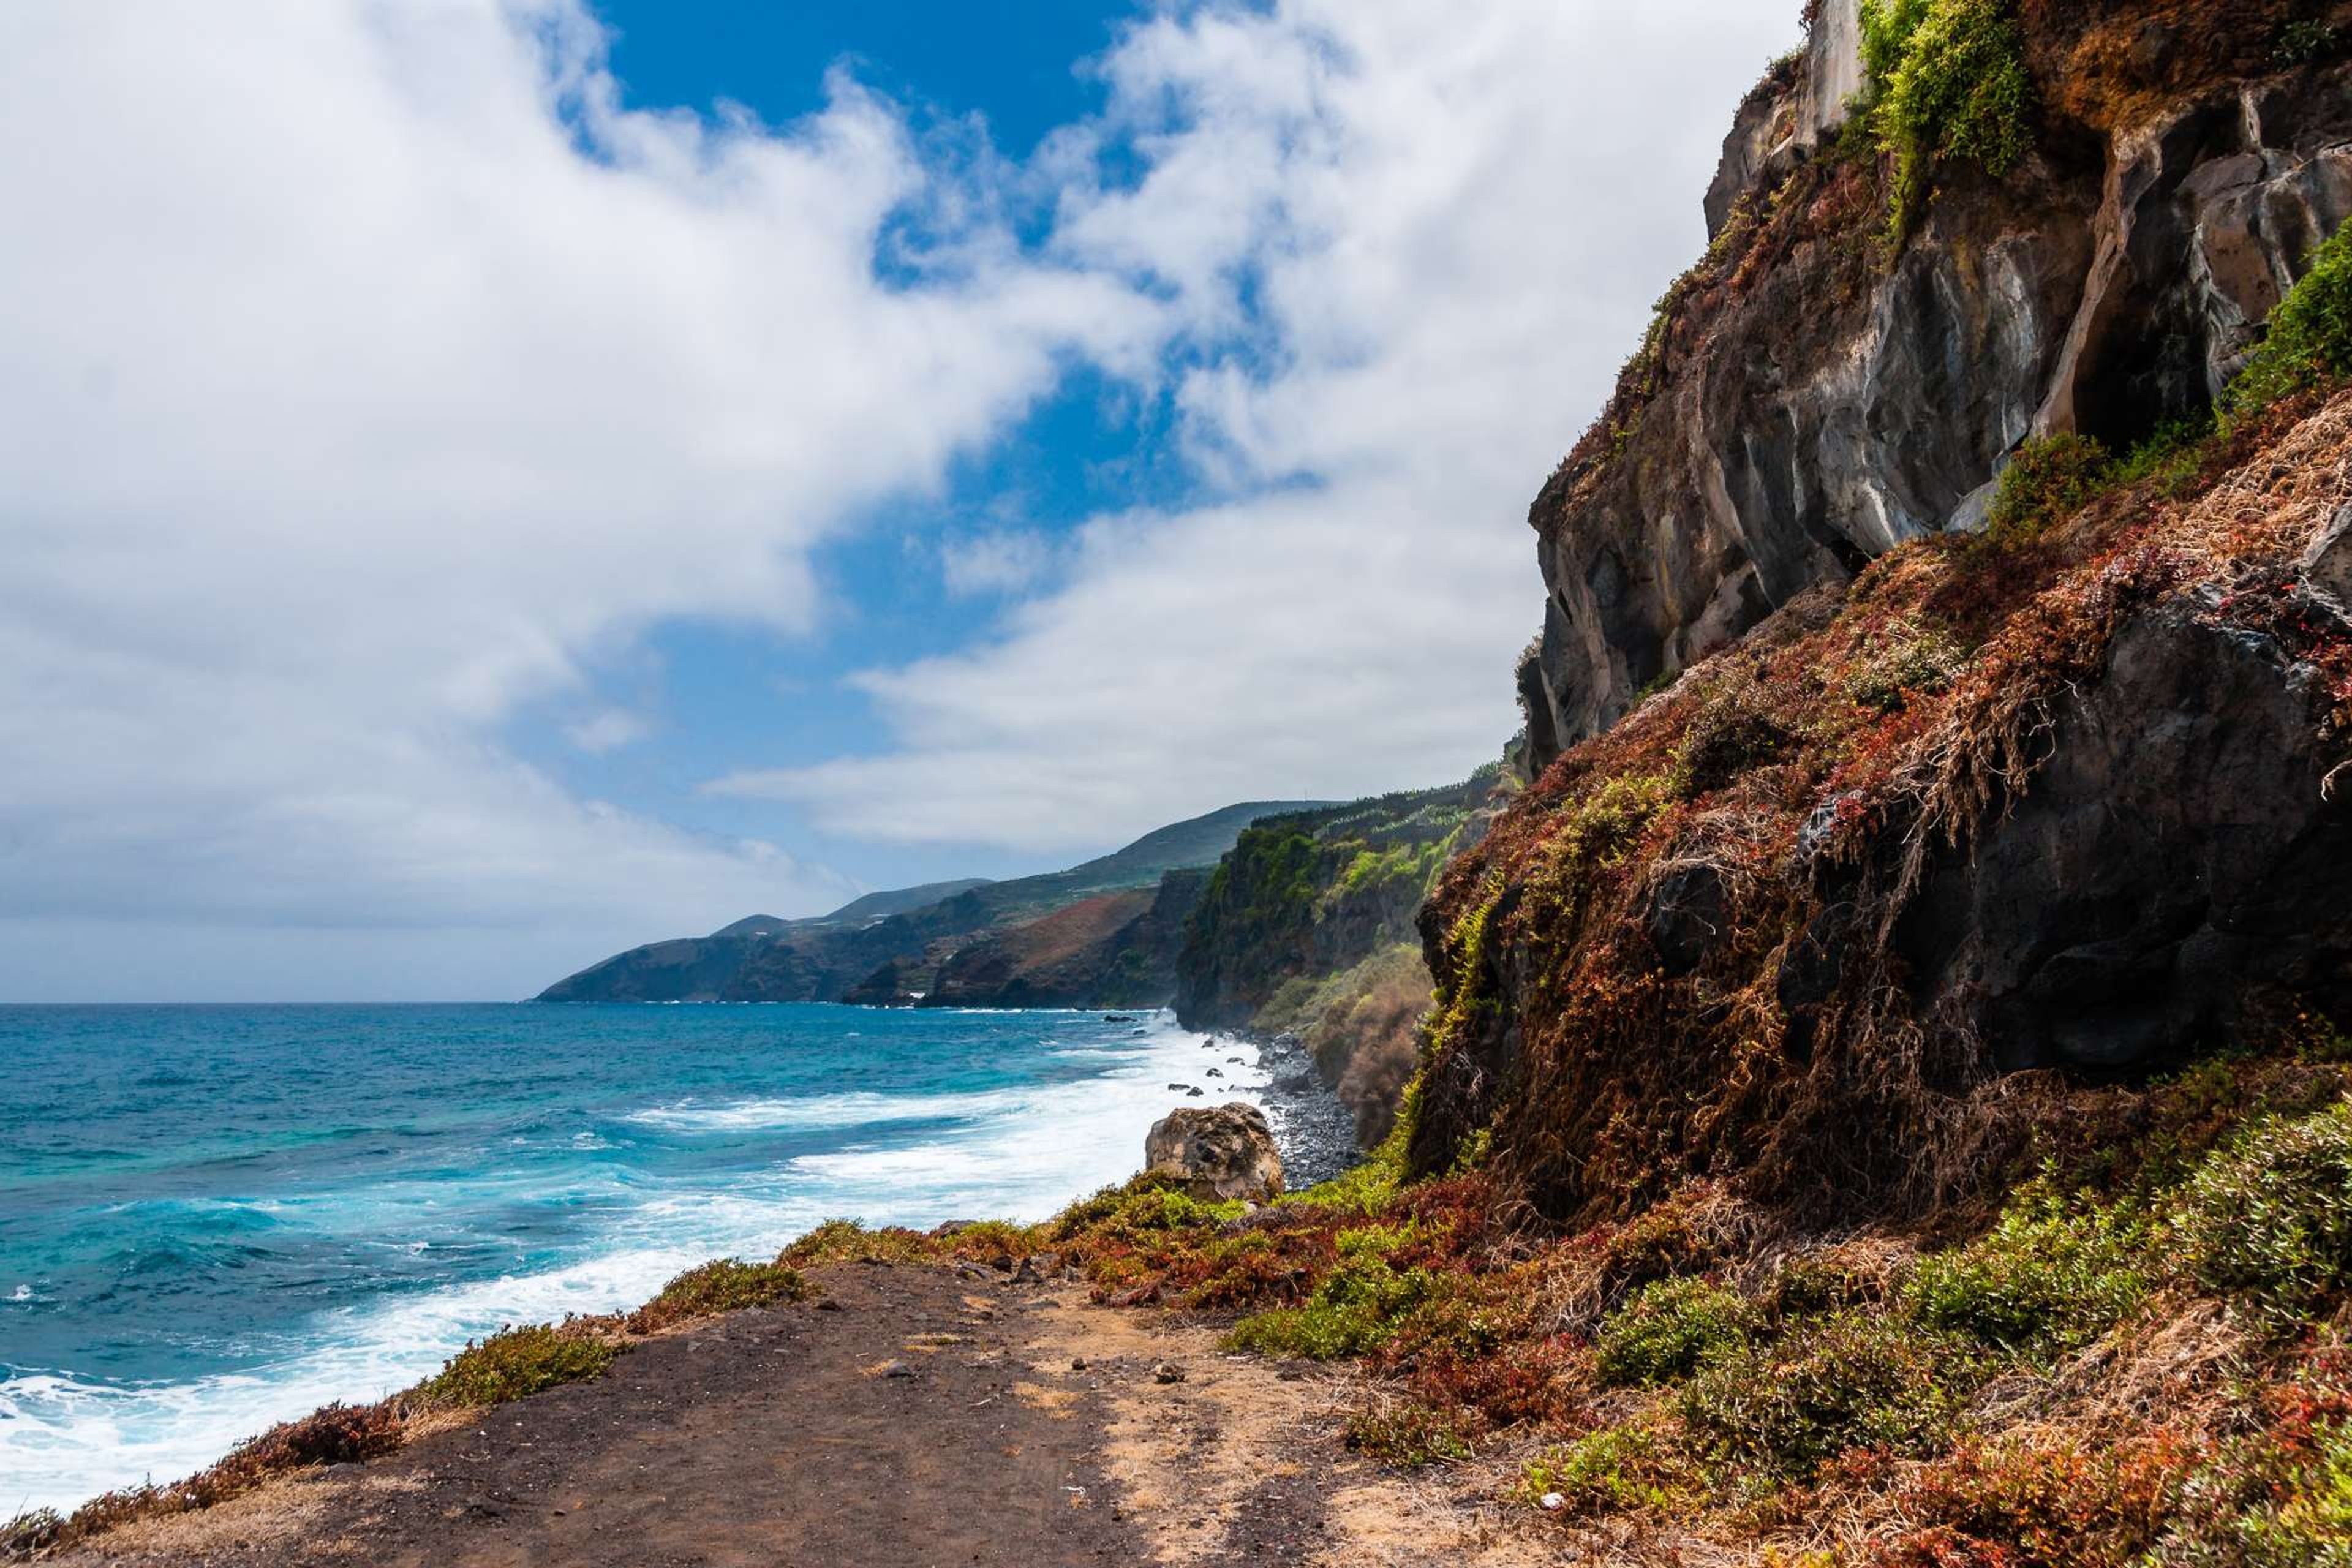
(1312,1126)
(1314,1131)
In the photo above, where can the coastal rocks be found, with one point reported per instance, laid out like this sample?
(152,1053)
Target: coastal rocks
(1217,1153)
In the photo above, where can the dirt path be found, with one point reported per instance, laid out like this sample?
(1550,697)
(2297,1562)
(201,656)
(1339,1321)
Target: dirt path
(787,1438)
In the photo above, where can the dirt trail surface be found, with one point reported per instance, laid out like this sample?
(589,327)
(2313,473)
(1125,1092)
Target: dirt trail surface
(919,1418)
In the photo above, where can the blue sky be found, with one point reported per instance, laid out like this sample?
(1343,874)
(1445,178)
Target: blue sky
(498,480)
(728,696)
(1013,62)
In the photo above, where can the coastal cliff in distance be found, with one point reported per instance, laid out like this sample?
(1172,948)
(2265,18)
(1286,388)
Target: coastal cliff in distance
(1103,934)
(1307,928)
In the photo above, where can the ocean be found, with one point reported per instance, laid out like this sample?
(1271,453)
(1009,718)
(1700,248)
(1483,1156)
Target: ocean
(213,1218)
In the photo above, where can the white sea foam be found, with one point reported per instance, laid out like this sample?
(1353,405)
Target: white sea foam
(1019,1153)
(824,1111)
(1046,1146)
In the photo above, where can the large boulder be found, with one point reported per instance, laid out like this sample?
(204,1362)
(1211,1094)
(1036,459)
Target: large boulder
(1217,1151)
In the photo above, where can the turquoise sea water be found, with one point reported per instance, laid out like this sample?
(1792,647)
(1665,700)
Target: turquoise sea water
(213,1218)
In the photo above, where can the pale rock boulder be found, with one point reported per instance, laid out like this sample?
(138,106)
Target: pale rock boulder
(1218,1151)
(2327,560)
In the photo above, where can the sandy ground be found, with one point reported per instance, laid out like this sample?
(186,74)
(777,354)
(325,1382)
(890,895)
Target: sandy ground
(921,1418)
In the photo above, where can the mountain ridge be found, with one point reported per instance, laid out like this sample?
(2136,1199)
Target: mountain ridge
(886,946)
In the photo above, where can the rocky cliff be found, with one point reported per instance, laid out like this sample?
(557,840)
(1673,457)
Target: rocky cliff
(1941,675)
(1841,374)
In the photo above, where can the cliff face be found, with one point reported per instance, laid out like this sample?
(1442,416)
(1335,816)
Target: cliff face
(1803,405)
(1929,690)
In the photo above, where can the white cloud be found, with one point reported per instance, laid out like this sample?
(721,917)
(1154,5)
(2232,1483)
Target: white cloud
(367,375)
(608,730)
(364,371)
(1411,244)
(1001,561)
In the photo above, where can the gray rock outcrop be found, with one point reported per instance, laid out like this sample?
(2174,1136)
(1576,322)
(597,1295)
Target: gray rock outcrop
(2176,863)
(1828,407)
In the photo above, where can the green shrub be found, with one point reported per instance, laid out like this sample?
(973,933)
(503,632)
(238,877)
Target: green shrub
(2279,1496)
(1357,1308)
(847,1241)
(1849,1381)
(1905,659)
(725,1286)
(2309,338)
(1408,865)
(2170,454)
(2049,478)
(513,1363)
(1375,1241)
(1829,1280)
(1949,82)
(2308,1524)
(2302,40)
(1614,1468)
(1140,1205)
(992,1241)
(2269,1222)
(1669,1330)
(2048,1278)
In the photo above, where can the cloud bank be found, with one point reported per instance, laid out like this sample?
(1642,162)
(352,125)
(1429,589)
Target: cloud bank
(367,372)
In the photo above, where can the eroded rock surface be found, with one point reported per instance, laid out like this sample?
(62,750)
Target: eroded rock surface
(2175,863)
(1817,410)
